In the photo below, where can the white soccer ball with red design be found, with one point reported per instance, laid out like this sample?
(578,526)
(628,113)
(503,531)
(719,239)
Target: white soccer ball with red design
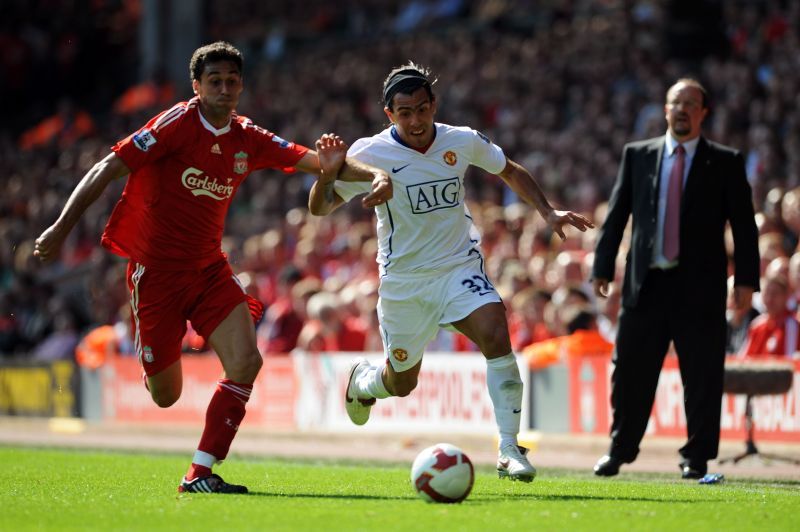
(442,473)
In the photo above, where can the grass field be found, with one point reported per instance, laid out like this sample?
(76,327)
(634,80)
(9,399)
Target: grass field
(78,490)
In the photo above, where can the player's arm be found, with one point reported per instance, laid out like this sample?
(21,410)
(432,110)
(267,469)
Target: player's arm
(330,162)
(323,199)
(522,182)
(88,190)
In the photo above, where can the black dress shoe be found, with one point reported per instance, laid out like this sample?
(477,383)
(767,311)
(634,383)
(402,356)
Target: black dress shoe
(607,466)
(693,470)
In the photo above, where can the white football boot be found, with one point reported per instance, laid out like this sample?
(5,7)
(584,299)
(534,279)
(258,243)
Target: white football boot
(512,464)
(357,409)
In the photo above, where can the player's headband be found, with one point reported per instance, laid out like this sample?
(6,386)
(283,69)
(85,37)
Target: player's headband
(405,81)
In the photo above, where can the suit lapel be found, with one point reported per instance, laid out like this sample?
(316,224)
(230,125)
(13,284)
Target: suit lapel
(699,161)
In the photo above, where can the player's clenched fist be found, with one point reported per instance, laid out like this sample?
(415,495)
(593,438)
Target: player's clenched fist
(382,191)
(48,245)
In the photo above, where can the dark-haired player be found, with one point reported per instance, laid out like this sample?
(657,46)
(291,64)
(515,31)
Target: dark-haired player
(431,265)
(185,165)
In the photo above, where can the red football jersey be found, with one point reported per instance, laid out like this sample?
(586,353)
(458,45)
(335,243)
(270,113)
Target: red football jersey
(768,336)
(184,173)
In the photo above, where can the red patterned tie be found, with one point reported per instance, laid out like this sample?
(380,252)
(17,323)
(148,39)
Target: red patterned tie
(672,217)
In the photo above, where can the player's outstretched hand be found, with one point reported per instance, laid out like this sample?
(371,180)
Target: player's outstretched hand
(558,219)
(48,245)
(382,191)
(331,150)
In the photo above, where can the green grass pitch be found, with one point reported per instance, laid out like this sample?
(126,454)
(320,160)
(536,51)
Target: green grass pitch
(46,489)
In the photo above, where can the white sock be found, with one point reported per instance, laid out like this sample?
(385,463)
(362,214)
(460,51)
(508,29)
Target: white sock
(204,459)
(370,384)
(505,389)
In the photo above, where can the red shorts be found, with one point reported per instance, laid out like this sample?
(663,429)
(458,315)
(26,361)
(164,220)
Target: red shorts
(162,301)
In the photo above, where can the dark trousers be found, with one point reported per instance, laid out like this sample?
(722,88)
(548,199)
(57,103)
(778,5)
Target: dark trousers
(695,322)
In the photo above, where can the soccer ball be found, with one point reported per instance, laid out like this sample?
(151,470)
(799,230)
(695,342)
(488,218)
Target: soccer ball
(442,473)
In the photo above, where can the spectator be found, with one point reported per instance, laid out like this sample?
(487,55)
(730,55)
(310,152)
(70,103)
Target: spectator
(106,341)
(284,320)
(61,343)
(793,279)
(527,317)
(770,247)
(777,332)
(64,129)
(738,320)
(790,208)
(582,339)
(367,304)
(329,328)
(774,221)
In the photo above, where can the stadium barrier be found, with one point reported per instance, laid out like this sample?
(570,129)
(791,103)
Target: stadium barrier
(124,397)
(451,396)
(304,392)
(30,388)
(777,417)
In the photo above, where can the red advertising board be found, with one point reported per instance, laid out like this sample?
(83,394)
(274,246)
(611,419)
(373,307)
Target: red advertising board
(776,417)
(126,399)
(305,392)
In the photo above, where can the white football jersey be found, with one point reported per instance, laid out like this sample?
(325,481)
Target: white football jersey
(426,226)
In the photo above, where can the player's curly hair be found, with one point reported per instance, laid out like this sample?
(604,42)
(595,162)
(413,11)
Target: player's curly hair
(217,51)
(412,85)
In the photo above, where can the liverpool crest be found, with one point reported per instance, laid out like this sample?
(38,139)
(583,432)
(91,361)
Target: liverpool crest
(240,163)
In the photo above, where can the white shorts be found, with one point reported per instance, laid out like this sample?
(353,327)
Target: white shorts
(412,307)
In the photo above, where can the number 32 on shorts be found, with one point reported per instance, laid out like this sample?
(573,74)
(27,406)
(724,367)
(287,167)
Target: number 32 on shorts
(478,284)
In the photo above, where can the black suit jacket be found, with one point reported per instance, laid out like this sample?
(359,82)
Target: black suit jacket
(716,192)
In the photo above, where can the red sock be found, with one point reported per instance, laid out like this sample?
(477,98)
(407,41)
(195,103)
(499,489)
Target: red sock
(225,413)
(196,470)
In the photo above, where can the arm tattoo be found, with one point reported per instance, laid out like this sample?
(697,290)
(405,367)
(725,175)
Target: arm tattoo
(328,192)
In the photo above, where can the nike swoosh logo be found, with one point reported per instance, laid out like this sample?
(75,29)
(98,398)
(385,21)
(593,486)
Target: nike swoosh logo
(347,390)
(395,170)
(517,410)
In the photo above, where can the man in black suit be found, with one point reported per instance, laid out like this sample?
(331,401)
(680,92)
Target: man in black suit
(675,276)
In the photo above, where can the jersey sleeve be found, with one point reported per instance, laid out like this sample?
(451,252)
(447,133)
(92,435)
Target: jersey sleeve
(271,151)
(347,190)
(486,154)
(151,142)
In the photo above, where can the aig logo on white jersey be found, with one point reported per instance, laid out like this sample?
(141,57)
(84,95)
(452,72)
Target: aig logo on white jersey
(434,195)
(201,185)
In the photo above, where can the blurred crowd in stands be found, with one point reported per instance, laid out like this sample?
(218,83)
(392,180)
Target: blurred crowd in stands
(560,85)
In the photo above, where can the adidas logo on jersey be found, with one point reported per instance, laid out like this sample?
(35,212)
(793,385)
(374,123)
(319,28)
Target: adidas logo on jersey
(215,149)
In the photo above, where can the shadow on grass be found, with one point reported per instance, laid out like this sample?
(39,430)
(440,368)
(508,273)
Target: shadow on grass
(345,496)
(545,497)
(480,499)
(637,477)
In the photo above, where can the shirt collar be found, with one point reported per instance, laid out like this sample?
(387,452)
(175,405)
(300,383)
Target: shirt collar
(211,128)
(396,137)
(689,146)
